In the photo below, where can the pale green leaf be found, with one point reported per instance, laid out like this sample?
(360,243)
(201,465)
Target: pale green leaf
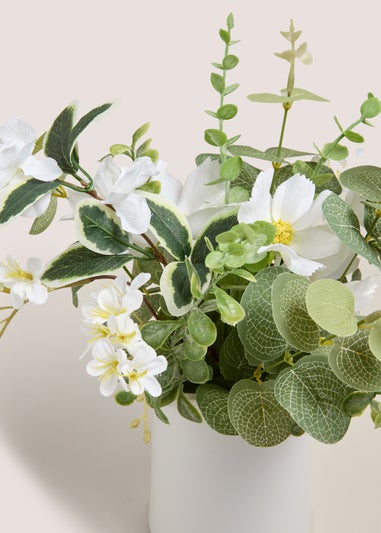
(375,339)
(201,328)
(42,222)
(156,332)
(364,180)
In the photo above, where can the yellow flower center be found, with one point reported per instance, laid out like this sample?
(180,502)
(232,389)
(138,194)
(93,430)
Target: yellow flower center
(134,375)
(284,232)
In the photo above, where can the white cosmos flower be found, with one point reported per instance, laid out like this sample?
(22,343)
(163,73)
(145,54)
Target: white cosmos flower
(23,284)
(119,187)
(294,213)
(142,368)
(106,365)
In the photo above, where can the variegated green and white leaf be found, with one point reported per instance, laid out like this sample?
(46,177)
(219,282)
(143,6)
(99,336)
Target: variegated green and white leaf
(290,312)
(313,395)
(256,415)
(169,226)
(213,404)
(18,198)
(99,228)
(343,221)
(78,263)
(353,362)
(257,331)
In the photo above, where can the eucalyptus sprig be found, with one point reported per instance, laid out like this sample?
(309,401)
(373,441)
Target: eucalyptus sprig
(132,150)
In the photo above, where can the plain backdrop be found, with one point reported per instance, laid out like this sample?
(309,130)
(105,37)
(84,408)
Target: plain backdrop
(68,460)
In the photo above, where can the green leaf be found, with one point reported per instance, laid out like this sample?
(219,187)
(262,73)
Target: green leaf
(138,134)
(215,137)
(175,288)
(354,137)
(99,228)
(331,305)
(218,224)
(353,362)
(356,402)
(230,21)
(18,198)
(156,332)
(201,328)
(297,94)
(192,350)
(268,98)
(337,152)
(302,94)
(371,107)
(227,111)
(271,154)
(231,88)
(256,415)
(232,360)
(58,143)
(343,221)
(186,407)
(364,180)
(84,122)
(43,221)
(375,412)
(258,332)
(230,61)
(169,226)
(118,149)
(213,404)
(125,398)
(225,36)
(230,310)
(231,168)
(196,371)
(78,263)
(290,312)
(217,82)
(375,339)
(313,396)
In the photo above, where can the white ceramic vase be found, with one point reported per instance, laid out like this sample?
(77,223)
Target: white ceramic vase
(204,482)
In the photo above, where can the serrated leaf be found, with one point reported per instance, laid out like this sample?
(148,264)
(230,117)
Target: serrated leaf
(258,332)
(18,198)
(186,407)
(364,180)
(42,222)
(313,396)
(256,415)
(353,362)
(213,404)
(233,363)
(156,332)
(343,221)
(99,228)
(331,305)
(169,226)
(290,312)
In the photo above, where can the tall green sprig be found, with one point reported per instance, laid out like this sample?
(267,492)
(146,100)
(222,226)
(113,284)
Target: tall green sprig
(230,166)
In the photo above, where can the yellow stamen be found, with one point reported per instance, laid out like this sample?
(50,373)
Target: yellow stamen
(284,232)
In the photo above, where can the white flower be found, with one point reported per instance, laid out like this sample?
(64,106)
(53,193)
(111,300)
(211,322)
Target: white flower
(106,365)
(124,332)
(196,199)
(24,284)
(293,211)
(119,187)
(142,369)
(363,291)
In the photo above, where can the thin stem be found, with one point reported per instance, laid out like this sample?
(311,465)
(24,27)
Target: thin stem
(158,255)
(7,321)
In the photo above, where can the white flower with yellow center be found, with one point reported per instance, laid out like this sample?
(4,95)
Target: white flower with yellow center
(23,284)
(294,212)
(142,368)
(106,365)
(124,332)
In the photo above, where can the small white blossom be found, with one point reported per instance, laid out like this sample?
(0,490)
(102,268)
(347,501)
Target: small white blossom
(142,368)
(23,284)
(106,365)
(124,332)
(294,213)
(363,291)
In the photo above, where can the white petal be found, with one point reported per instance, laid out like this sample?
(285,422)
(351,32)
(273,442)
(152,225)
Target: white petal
(39,207)
(134,213)
(103,351)
(171,187)
(315,243)
(94,368)
(106,177)
(196,194)
(34,266)
(37,294)
(42,169)
(198,219)
(133,301)
(16,132)
(136,387)
(133,177)
(363,292)
(259,205)
(294,262)
(108,386)
(292,199)
(151,385)
(140,280)
(314,214)
(157,365)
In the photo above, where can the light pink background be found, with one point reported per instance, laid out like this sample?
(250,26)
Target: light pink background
(68,460)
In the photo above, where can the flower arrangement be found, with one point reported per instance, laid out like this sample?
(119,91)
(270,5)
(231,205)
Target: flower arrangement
(241,286)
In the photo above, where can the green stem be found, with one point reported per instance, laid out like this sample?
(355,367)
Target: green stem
(7,321)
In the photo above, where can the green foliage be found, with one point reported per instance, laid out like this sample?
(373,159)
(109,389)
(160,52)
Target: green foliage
(186,407)
(125,398)
(155,333)
(364,180)
(233,363)
(213,404)
(42,222)
(201,328)
(356,402)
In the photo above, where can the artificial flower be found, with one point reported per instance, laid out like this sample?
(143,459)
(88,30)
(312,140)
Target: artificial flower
(124,332)
(363,291)
(142,368)
(120,188)
(294,213)
(23,284)
(106,365)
